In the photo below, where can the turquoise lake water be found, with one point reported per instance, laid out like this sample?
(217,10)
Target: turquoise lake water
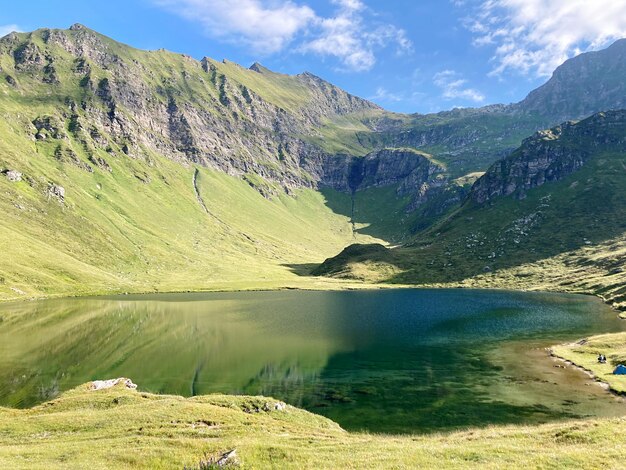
(394,361)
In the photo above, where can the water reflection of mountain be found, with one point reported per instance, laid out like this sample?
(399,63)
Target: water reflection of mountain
(217,343)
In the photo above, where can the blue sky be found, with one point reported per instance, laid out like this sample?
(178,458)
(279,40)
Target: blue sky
(406,55)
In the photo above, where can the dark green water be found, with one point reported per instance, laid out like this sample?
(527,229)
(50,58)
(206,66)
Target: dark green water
(387,361)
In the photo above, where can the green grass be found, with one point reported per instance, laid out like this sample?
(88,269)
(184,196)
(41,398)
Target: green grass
(585,354)
(347,134)
(285,91)
(121,428)
(125,235)
(378,212)
(140,227)
(568,235)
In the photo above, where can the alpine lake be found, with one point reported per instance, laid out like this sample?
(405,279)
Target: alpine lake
(385,361)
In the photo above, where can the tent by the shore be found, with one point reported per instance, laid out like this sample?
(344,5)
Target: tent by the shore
(620,370)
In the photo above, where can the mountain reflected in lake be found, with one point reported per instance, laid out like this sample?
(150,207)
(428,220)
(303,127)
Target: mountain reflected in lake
(387,361)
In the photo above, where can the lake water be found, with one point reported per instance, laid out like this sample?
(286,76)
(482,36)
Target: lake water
(402,360)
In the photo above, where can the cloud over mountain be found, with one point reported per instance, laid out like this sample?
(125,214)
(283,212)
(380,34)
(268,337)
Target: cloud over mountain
(351,34)
(533,37)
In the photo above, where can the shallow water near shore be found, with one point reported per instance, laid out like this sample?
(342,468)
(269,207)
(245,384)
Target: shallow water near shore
(396,361)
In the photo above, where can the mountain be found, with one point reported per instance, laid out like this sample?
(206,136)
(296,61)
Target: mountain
(469,140)
(583,85)
(551,215)
(140,170)
(215,114)
(135,170)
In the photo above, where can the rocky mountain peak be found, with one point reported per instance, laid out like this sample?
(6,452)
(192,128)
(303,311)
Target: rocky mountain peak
(256,67)
(583,85)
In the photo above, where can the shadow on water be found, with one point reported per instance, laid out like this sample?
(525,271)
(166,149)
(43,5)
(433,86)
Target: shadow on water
(387,361)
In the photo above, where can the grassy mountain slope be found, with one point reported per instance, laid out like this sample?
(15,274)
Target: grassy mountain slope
(114,233)
(551,215)
(108,139)
(142,227)
(113,193)
(94,429)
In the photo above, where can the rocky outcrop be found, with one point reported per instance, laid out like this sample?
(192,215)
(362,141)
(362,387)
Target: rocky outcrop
(105,384)
(404,167)
(551,155)
(57,192)
(327,99)
(412,172)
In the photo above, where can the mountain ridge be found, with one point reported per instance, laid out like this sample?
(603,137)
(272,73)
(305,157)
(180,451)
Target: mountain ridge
(554,207)
(148,168)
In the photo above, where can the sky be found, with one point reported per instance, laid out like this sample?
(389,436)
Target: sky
(406,55)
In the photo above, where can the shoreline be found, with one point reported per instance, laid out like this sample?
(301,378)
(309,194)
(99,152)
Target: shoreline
(337,287)
(589,373)
(586,350)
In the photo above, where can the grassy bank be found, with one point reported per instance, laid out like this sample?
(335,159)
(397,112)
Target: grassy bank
(585,353)
(119,428)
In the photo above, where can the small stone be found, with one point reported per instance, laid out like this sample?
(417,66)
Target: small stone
(277,406)
(227,458)
(57,192)
(13,175)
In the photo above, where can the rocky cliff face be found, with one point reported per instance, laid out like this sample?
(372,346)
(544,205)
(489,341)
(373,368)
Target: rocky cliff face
(470,140)
(413,172)
(245,122)
(134,103)
(552,155)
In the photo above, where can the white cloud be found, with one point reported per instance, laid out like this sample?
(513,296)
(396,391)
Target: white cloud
(382,94)
(8,28)
(348,37)
(339,37)
(533,37)
(269,26)
(453,87)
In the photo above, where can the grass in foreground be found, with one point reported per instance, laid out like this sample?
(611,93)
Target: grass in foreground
(122,428)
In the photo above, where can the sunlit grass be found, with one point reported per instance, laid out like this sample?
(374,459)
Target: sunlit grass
(121,428)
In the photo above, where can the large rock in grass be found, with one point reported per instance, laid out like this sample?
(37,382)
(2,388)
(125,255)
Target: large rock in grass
(13,175)
(104,384)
